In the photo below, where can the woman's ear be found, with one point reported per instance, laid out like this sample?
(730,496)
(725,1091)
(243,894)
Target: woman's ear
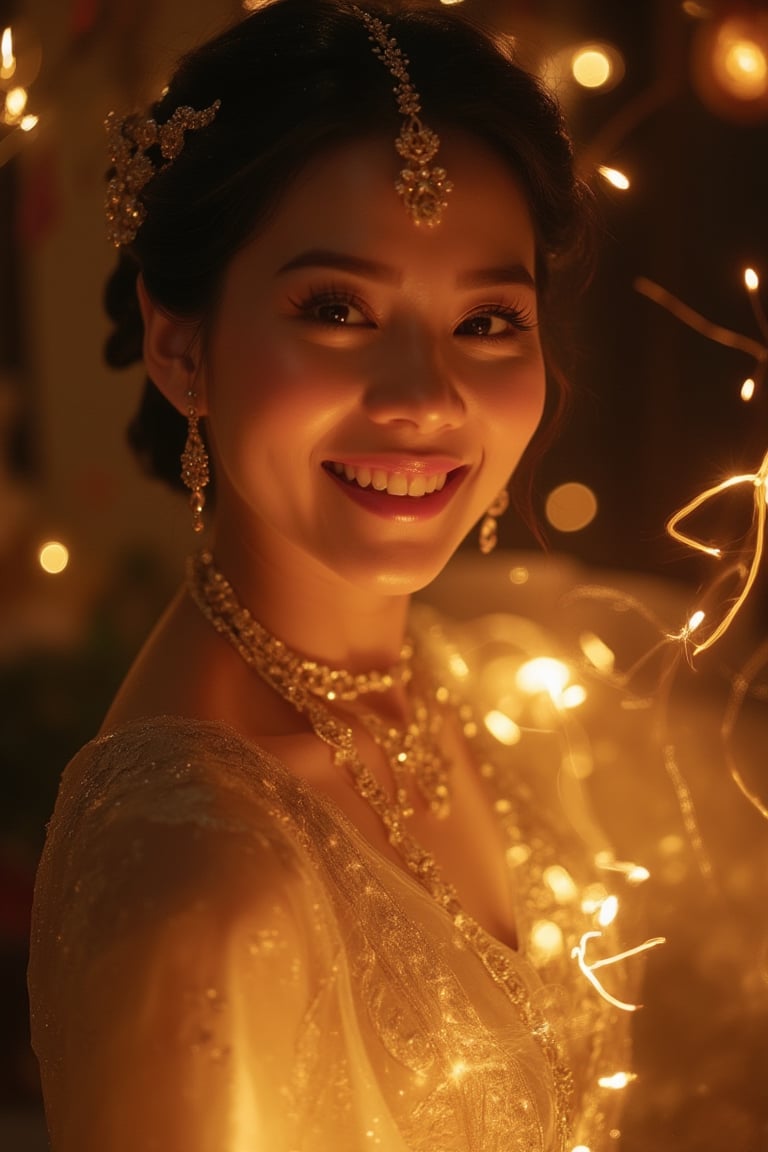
(172,354)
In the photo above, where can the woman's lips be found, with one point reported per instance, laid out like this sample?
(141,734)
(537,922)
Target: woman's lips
(403,489)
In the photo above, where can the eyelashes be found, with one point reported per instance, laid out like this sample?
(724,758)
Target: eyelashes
(335,307)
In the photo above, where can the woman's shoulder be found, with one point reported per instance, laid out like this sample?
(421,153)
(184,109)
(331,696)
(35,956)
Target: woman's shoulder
(177,808)
(170,769)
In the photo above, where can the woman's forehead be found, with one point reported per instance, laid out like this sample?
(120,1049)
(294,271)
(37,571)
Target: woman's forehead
(345,201)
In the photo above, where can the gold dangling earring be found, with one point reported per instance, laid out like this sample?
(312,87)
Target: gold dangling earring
(194,465)
(489,537)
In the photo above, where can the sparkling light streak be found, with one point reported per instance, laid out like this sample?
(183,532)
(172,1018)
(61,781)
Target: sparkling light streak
(579,953)
(618,1081)
(614,176)
(759,482)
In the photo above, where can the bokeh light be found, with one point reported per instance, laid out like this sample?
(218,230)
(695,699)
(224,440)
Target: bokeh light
(597,66)
(571,507)
(53,557)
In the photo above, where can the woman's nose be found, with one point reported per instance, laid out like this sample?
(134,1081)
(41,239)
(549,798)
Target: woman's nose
(415,386)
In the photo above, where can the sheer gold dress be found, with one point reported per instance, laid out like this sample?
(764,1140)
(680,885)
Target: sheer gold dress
(221,963)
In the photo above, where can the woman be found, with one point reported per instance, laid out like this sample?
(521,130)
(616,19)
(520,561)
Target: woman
(288,896)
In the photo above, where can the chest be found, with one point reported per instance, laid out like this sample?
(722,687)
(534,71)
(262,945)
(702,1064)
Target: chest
(466,844)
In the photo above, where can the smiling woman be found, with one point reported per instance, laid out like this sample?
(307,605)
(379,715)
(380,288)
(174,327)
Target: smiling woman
(291,897)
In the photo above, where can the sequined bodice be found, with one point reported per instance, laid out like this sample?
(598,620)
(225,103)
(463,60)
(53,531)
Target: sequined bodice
(267,956)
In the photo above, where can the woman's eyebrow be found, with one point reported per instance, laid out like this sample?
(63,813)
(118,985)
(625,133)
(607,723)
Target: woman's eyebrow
(360,266)
(501,274)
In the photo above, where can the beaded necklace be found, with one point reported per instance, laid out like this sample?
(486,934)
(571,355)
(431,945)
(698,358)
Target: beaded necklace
(310,687)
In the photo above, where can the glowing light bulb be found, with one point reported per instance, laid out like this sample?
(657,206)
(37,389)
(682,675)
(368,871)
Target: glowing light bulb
(547,939)
(562,884)
(746,68)
(751,279)
(15,103)
(748,389)
(617,1081)
(457,666)
(581,1148)
(7,58)
(28,122)
(573,696)
(543,674)
(615,177)
(608,911)
(502,727)
(53,557)
(597,652)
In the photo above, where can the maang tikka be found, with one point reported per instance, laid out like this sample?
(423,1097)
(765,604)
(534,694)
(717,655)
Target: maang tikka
(489,529)
(195,471)
(422,186)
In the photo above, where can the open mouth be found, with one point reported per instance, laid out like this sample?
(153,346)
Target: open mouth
(394,483)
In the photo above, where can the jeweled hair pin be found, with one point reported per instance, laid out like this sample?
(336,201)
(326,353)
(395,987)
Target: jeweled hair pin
(423,187)
(129,138)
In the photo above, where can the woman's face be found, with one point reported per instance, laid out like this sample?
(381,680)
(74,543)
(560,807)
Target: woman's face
(370,385)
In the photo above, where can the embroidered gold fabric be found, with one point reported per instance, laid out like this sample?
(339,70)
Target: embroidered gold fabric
(221,963)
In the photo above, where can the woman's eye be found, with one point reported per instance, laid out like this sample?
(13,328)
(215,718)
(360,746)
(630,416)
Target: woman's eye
(492,324)
(338,312)
(334,309)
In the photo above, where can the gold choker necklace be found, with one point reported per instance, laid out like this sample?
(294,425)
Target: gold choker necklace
(412,752)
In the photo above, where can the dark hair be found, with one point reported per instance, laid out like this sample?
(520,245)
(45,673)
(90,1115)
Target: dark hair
(293,78)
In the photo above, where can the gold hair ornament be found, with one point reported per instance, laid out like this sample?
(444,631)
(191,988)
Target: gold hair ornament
(423,187)
(129,138)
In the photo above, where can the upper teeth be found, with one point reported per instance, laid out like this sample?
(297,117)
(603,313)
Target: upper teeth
(394,483)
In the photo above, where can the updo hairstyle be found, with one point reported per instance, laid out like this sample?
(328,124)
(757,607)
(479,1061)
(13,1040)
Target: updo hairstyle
(294,78)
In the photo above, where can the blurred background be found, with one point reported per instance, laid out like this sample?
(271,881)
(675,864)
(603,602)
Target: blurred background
(668,104)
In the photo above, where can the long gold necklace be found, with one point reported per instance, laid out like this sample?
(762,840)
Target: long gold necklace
(310,687)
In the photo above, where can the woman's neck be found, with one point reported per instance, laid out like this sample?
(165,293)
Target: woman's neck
(311,609)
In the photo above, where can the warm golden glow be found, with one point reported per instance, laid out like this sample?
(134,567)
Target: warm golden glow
(615,177)
(570,507)
(751,279)
(592,66)
(597,652)
(579,953)
(759,481)
(743,67)
(457,666)
(543,674)
(581,1148)
(634,874)
(502,727)
(608,911)
(562,884)
(53,557)
(748,389)
(519,575)
(573,696)
(7,59)
(618,1081)
(546,939)
(15,103)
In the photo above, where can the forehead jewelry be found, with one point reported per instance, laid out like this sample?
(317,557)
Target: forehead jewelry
(423,187)
(129,138)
